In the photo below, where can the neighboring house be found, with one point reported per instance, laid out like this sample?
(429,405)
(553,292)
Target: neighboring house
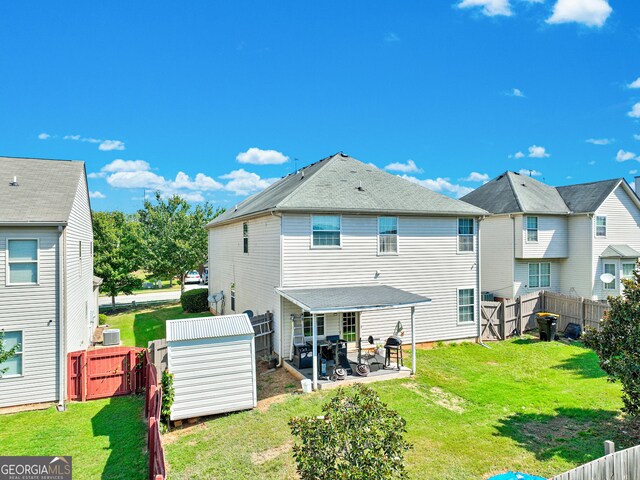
(343,223)
(47,299)
(560,239)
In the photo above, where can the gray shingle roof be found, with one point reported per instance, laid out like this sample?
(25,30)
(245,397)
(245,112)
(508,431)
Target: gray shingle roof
(359,298)
(332,185)
(587,197)
(620,251)
(45,191)
(512,193)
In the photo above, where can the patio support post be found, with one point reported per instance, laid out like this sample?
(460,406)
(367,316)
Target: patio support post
(413,341)
(315,351)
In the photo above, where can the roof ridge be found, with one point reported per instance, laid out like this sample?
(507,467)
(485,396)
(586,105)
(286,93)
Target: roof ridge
(295,190)
(513,189)
(616,179)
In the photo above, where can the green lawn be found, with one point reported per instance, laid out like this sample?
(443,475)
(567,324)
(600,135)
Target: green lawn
(541,408)
(138,327)
(106,438)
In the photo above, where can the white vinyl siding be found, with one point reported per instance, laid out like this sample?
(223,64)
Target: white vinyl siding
(497,251)
(539,275)
(532,229)
(466,305)
(466,233)
(13,365)
(22,261)
(521,282)
(326,231)
(387,235)
(601,226)
(576,273)
(551,237)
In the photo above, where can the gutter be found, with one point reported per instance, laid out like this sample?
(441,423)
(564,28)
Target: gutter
(62,318)
(281,319)
(32,224)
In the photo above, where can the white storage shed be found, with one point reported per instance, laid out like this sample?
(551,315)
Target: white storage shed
(213,361)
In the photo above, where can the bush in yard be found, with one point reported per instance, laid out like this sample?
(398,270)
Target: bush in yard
(168,394)
(102,319)
(357,438)
(195,300)
(617,343)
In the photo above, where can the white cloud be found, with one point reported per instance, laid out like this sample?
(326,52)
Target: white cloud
(442,185)
(257,156)
(44,136)
(490,8)
(516,92)
(71,137)
(409,167)
(636,136)
(476,177)
(599,141)
(536,151)
(592,162)
(120,165)
(635,83)
(593,13)
(633,172)
(623,156)
(188,196)
(635,111)
(517,155)
(140,179)
(529,172)
(109,145)
(391,38)
(201,182)
(97,194)
(242,182)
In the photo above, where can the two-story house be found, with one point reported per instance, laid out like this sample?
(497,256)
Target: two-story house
(353,244)
(561,239)
(47,301)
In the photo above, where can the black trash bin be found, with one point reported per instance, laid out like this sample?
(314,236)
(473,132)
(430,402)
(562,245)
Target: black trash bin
(547,325)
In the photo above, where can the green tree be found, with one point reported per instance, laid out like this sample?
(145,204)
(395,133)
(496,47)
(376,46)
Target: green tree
(6,354)
(617,342)
(175,240)
(357,438)
(116,252)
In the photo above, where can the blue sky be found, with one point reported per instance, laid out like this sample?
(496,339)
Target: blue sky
(214,100)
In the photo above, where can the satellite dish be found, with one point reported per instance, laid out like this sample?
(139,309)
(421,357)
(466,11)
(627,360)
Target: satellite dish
(607,278)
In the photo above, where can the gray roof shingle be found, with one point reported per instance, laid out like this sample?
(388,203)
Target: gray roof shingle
(45,191)
(343,184)
(587,197)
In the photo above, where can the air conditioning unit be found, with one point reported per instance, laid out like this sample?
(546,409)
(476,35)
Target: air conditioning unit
(111,337)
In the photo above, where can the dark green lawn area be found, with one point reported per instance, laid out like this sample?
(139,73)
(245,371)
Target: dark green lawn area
(138,327)
(106,438)
(541,408)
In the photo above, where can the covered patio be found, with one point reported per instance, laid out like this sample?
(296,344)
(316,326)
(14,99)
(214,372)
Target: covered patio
(315,302)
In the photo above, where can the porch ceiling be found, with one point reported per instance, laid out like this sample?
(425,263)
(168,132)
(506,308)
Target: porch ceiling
(351,299)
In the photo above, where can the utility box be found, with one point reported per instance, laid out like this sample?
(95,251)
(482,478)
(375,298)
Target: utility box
(213,362)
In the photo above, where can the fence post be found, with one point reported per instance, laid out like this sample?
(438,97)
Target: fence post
(83,376)
(582,313)
(609,447)
(519,305)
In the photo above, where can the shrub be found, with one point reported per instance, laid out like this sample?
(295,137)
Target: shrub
(195,300)
(168,394)
(358,437)
(102,319)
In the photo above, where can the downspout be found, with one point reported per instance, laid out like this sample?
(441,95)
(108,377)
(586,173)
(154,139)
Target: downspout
(280,320)
(62,318)
(478,272)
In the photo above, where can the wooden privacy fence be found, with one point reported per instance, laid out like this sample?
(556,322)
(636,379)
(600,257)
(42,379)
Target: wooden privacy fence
(263,329)
(512,316)
(622,465)
(152,411)
(104,372)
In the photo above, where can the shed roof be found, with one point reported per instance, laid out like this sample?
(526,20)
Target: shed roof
(620,251)
(340,183)
(45,190)
(208,327)
(354,299)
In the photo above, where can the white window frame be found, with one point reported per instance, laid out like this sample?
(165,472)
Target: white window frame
(633,264)
(321,321)
(539,275)
(614,273)
(527,229)
(595,226)
(245,237)
(472,235)
(21,352)
(473,296)
(7,263)
(397,235)
(327,247)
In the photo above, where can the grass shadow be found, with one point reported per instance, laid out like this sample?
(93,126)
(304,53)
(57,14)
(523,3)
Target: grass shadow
(525,341)
(121,421)
(576,435)
(585,364)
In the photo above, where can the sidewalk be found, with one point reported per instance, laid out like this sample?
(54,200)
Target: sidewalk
(148,297)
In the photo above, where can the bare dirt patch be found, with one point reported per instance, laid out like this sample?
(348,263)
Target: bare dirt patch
(260,458)
(274,386)
(438,396)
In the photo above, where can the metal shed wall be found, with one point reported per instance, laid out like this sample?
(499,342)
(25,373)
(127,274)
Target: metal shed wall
(212,375)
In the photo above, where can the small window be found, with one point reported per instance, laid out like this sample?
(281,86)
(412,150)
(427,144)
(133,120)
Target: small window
(13,366)
(601,226)
(532,229)
(308,324)
(233,299)
(466,304)
(387,235)
(349,326)
(610,268)
(245,237)
(326,230)
(22,262)
(465,234)
(539,275)
(628,269)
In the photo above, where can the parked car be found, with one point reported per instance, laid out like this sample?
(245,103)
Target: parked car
(192,277)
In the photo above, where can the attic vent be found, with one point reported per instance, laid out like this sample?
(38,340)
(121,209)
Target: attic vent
(14,183)
(344,155)
(360,187)
(236,209)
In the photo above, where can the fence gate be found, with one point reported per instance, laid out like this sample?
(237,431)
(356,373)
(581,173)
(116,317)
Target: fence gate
(492,326)
(103,373)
